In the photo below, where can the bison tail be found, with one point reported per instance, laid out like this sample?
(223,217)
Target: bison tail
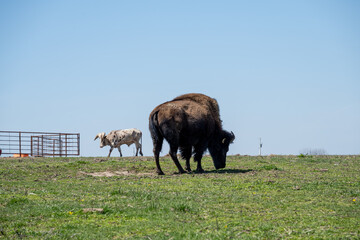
(154,127)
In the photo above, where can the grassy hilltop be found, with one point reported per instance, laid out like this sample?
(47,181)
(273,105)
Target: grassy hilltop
(274,197)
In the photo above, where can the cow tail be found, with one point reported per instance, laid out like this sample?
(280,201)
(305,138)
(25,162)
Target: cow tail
(154,127)
(141,142)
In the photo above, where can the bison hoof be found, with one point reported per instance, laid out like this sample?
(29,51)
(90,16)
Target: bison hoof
(160,173)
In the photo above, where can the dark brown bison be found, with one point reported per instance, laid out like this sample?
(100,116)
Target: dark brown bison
(191,123)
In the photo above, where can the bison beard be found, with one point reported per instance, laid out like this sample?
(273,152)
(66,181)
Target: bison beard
(191,123)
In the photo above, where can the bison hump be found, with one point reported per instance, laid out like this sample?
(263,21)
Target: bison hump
(210,103)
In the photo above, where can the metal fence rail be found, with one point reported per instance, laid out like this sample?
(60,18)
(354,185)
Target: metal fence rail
(39,144)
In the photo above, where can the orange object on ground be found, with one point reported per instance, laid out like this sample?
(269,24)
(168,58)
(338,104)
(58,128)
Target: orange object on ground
(20,155)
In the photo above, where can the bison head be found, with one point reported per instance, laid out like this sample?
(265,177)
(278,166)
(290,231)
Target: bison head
(219,147)
(102,138)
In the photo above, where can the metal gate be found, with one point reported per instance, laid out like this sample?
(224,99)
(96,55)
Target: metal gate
(39,144)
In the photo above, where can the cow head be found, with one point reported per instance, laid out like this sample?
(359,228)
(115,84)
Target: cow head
(219,147)
(102,138)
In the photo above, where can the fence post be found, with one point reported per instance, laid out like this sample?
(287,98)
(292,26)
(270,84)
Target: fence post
(38,147)
(42,145)
(66,145)
(60,144)
(20,143)
(78,144)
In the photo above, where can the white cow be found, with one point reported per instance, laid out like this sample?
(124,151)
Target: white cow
(117,138)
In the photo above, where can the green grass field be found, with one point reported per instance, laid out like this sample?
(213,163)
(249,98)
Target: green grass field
(274,197)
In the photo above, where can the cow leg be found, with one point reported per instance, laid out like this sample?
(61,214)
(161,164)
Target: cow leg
(140,146)
(173,151)
(137,150)
(120,151)
(157,148)
(111,148)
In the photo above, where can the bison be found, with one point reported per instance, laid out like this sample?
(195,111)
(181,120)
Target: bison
(191,123)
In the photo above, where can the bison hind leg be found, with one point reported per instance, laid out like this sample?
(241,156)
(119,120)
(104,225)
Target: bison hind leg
(158,142)
(173,154)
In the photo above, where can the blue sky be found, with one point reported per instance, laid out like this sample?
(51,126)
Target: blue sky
(285,71)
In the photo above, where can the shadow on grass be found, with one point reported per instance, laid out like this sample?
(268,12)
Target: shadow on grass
(222,171)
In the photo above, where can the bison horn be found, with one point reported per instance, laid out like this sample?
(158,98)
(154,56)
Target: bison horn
(223,141)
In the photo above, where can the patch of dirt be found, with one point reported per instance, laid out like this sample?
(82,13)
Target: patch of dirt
(86,210)
(115,173)
(322,170)
(97,160)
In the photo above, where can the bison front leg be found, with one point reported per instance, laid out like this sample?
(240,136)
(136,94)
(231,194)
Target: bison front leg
(197,158)
(199,168)
(187,167)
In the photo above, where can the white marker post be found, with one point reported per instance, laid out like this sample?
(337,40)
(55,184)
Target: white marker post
(260,146)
